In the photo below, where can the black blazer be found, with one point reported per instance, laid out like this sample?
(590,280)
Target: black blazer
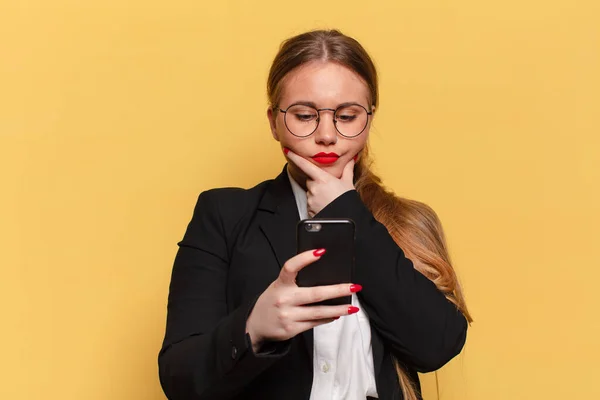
(233,249)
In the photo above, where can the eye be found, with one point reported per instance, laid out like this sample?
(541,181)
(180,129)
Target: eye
(305,117)
(350,114)
(303,114)
(346,118)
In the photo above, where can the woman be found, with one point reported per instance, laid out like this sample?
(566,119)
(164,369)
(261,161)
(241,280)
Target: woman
(238,327)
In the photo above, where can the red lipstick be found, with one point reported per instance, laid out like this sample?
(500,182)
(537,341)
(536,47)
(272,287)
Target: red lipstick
(325,158)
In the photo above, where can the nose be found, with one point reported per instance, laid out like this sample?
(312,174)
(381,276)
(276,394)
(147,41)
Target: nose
(326,134)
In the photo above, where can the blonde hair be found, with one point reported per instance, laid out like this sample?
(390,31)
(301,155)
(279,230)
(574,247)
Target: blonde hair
(414,226)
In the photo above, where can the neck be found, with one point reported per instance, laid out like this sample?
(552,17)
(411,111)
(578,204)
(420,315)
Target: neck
(298,176)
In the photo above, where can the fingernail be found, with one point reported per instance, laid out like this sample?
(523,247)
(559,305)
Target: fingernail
(319,252)
(286,150)
(353,310)
(355,288)
(355,158)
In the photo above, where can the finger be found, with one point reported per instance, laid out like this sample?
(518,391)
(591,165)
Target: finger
(314,313)
(348,172)
(291,267)
(306,325)
(310,169)
(317,294)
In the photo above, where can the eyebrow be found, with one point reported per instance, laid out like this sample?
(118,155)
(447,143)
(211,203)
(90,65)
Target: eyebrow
(314,105)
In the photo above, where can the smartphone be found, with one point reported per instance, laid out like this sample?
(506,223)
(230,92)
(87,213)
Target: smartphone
(336,236)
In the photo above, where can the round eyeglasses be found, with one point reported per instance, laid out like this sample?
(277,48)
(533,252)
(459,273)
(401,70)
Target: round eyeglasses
(302,120)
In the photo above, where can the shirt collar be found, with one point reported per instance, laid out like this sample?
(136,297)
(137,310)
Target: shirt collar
(300,196)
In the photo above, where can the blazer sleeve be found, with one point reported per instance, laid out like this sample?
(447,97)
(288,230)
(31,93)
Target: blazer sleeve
(411,315)
(206,353)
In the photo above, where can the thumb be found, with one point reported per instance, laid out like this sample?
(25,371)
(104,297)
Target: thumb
(348,173)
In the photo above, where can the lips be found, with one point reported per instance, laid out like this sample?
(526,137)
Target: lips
(325,158)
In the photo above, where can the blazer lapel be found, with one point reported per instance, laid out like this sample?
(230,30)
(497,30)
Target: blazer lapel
(279,218)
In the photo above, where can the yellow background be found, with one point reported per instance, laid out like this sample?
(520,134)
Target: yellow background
(115,114)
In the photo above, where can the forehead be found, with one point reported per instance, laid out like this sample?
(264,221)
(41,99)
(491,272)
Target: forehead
(325,83)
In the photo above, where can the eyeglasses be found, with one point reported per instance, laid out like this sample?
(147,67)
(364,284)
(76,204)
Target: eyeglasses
(302,120)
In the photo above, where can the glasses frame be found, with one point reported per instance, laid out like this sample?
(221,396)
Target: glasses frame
(334,110)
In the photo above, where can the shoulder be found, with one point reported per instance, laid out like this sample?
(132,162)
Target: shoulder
(233,199)
(227,207)
(222,212)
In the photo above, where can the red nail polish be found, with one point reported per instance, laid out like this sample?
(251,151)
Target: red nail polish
(355,288)
(319,252)
(353,310)
(286,150)
(355,158)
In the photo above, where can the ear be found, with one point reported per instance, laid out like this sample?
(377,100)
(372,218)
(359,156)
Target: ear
(272,116)
(372,116)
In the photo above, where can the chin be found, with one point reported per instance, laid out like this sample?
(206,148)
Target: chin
(332,169)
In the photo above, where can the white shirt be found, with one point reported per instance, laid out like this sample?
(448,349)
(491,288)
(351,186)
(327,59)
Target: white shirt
(342,355)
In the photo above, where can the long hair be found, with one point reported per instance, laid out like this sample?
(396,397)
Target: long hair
(414,226)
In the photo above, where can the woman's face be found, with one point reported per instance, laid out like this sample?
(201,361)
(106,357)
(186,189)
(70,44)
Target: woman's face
(325,85)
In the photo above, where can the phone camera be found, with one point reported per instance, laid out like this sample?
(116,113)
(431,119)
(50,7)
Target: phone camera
(313,227)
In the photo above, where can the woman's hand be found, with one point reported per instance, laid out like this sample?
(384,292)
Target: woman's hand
(280,312)
(322,187)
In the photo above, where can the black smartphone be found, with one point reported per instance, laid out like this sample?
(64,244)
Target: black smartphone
(336,236)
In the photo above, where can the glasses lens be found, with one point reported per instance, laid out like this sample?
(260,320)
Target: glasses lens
(351,120)
(301,120)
